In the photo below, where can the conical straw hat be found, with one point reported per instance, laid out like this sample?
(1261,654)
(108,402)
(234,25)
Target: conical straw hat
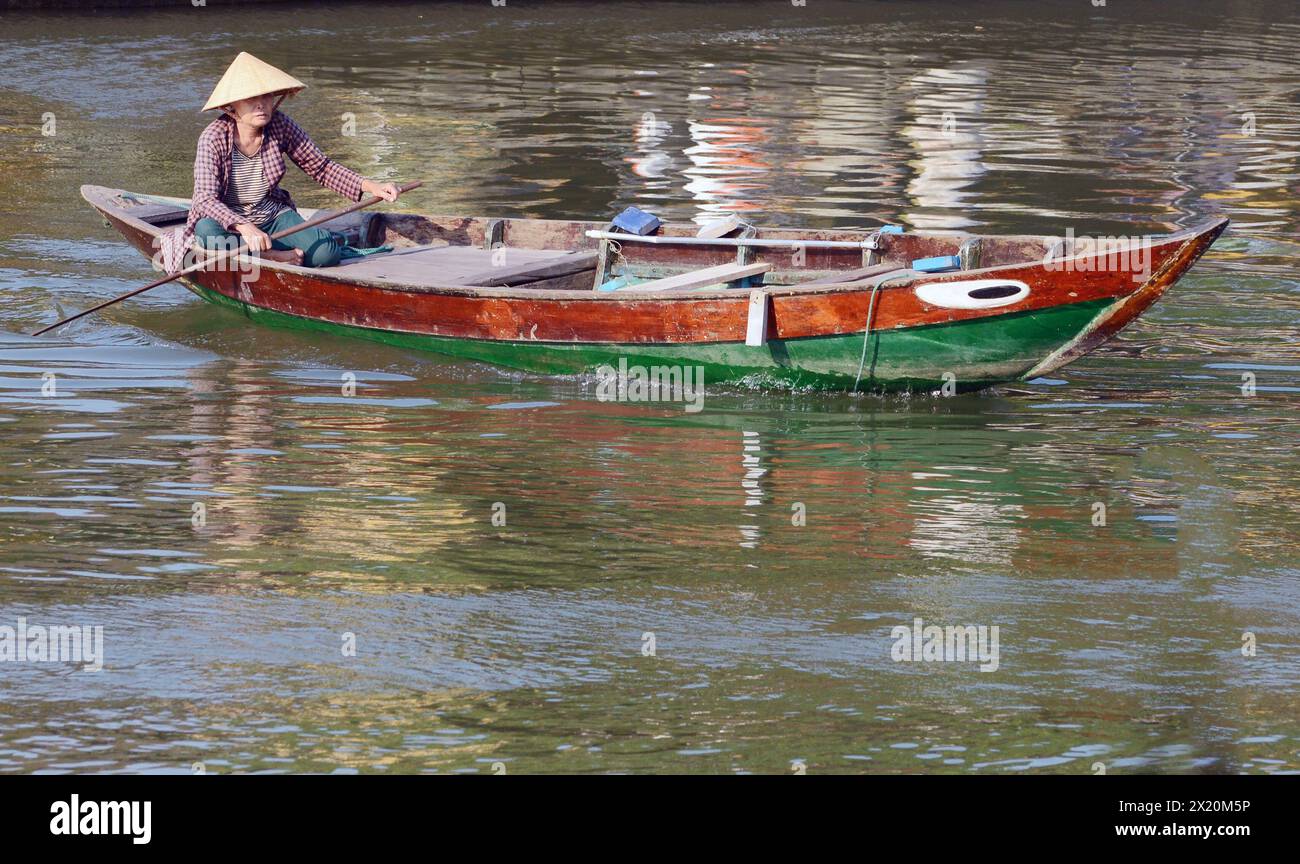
(248,77)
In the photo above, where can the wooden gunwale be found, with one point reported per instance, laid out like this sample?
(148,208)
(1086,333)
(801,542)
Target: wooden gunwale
(578,316)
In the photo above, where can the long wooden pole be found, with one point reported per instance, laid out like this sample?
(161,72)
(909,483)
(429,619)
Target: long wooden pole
(310,223)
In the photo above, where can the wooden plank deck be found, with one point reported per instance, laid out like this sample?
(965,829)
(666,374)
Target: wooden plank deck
(701,278)
(531,271)
(447,265)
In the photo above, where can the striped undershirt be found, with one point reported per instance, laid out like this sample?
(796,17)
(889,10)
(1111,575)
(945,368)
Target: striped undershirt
(246,191)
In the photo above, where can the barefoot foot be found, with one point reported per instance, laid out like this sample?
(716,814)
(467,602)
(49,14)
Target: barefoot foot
(284,256)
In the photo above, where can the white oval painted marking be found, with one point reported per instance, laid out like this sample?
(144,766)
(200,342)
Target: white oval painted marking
(957,295)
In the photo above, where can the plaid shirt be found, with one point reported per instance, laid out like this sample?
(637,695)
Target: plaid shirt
(281,137)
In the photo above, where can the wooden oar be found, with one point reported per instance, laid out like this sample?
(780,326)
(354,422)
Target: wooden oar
(310,223)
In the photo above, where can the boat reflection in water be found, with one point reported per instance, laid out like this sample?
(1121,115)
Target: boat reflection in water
(945,130)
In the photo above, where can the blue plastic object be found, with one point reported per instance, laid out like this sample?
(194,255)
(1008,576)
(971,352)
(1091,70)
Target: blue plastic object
(614,284)
(636,221)
(937,265)
(891,229)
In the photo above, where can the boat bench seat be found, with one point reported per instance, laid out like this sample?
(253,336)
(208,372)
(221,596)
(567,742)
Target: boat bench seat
(153,212)
(515,272)
(702,278)
(851,275)
(440,264)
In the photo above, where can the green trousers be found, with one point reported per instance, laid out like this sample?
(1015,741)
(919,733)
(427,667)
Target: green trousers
(319,247)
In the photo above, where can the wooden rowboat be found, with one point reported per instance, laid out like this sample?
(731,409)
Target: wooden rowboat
(767,307)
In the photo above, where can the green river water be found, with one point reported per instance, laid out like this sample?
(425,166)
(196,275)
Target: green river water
(709,592)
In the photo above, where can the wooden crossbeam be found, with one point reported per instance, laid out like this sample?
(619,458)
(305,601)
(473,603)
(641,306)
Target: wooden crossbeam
(701,278)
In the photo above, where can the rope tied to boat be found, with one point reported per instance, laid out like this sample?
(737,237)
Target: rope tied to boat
(872,243)
(871,311)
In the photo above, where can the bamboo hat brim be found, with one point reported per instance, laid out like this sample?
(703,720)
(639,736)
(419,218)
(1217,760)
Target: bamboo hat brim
(248,77)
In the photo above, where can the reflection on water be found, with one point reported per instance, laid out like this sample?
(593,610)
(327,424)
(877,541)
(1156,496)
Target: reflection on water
(949,150)
(500,545)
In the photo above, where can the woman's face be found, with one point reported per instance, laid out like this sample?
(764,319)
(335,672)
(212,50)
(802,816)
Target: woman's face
(255,112)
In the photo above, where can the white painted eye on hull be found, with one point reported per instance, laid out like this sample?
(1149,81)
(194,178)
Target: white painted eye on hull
(973,293)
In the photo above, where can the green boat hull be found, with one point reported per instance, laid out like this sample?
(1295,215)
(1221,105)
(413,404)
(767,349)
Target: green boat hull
(968,355)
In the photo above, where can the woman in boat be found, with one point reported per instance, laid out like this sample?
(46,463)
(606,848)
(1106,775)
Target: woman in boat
(239,165)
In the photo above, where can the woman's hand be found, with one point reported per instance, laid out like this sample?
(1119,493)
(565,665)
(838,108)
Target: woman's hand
(387,191)
(255,238)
